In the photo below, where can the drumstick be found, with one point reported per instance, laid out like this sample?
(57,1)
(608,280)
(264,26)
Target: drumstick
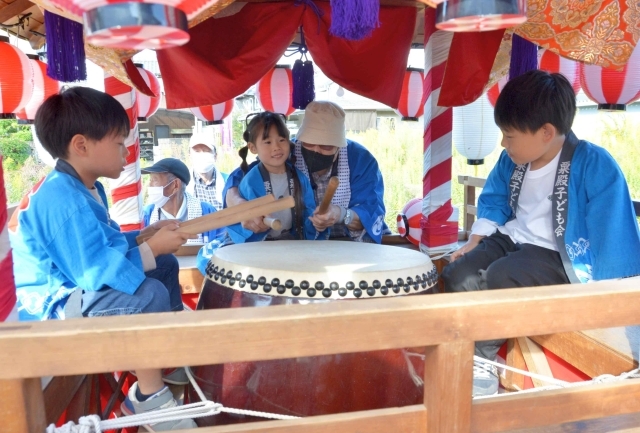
(224,212)
(275,224)
(210,222)
(334,182)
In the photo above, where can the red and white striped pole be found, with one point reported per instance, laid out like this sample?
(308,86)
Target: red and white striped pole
(126,191)
(7,283)
(439,219)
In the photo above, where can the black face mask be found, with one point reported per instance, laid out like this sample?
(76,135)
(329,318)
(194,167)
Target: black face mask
(316,161)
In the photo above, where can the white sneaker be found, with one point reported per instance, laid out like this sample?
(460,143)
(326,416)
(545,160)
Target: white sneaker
(485,379)
(162,399)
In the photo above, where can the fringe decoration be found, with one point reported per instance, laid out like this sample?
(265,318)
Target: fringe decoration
(354,19)
(303,84)
(65,49)
(524,56)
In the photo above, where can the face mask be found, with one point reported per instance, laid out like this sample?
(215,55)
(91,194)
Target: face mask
(316,161)
(156,195)
(203,162)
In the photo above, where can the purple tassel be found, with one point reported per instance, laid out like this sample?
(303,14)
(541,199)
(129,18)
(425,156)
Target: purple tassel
(303,84)
(354,19)
(65,49)
(524,56)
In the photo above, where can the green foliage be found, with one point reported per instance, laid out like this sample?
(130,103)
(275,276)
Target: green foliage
(15,142)
(19,181)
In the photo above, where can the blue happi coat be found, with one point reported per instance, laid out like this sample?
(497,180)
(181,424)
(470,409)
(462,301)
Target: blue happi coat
(601,238)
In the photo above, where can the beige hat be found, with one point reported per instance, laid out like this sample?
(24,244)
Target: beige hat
(202,138)
(323,124)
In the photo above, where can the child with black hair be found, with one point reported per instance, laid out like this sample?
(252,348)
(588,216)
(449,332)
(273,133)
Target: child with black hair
(70,258)
(554,209)
(268,137)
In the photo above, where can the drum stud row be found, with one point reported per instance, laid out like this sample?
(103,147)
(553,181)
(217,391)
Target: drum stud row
(227,277)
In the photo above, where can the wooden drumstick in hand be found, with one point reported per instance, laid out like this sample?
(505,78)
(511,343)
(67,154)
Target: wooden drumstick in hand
(275,224)
(331,190)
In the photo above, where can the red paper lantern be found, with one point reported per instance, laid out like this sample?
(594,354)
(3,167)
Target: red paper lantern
(612,89)
(480,15)
(148,105)
(43,87)
(411,104)
(213,114)
(275,90)
(495,90)
(552,62)
(16,79)
(409,221)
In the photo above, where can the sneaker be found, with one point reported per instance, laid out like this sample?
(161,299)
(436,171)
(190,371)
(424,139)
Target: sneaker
(485,380)
(175,376)
(163,399)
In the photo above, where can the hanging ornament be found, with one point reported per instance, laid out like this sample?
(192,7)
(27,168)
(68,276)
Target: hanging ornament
(475,133)
(213,114)
(302,75)
(148,105)
(612,89)
(553,63)
(43,87)
(354,19)
(411,103)
(524,56)
(480,15)
(16,79)
(65,49)
(409,221)
(274,91)
(494,91)
(135,25)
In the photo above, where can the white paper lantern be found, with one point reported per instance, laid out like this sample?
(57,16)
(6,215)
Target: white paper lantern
(475,133)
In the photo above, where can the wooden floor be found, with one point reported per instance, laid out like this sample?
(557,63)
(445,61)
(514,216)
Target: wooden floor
(617,424)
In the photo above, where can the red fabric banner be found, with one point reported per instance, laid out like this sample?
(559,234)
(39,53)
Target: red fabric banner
(470,61)
(226,56)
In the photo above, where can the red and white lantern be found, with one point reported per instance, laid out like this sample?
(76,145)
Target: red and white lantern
(148,105)
(213,114)
(612,89)
(478,16)
(552,62)
(494,91)
(411,104)
(16,79)
(43,87)
(275,90)
(409,221)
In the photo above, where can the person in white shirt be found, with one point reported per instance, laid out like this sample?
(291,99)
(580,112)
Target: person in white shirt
(208,181)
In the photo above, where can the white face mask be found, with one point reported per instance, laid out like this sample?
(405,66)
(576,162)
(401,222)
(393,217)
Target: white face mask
(203,162)
(156,195)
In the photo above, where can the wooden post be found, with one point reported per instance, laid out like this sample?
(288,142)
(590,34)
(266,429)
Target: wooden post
(22,406)
(448,379)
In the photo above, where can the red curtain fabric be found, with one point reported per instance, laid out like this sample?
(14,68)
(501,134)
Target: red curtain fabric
(470,61)
(228,55)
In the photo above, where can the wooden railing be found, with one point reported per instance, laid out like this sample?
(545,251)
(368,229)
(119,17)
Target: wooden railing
(446,325)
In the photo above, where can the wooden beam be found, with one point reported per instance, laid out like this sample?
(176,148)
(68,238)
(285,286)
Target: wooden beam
(13,9)
(21,406)
(448,377)
(536,360)
(82,346)
(514,381)
(58,395)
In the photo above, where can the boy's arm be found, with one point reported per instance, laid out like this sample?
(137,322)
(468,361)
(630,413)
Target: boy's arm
(493,203)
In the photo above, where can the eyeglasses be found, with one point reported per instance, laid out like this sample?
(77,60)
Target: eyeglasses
(261,114)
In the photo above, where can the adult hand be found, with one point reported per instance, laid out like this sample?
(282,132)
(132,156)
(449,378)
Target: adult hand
(256,225)
(322,221)
(167,240)
(152,229)
(473,242)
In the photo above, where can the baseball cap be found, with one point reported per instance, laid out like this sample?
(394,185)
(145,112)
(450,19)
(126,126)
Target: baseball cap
(170,165)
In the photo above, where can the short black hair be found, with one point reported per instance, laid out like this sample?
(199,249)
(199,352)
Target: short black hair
(533,99)
(78,110)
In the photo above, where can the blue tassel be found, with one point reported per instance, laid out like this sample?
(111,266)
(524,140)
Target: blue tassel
(303,84)
(524,56)
(65,49)
(354,19)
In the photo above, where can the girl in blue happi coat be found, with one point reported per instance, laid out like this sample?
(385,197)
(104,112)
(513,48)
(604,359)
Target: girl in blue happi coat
(268,137)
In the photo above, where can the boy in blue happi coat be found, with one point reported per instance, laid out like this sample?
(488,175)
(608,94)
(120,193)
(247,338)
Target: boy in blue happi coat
(554,209)
(70,258)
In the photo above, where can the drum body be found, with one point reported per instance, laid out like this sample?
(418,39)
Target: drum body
(316,385)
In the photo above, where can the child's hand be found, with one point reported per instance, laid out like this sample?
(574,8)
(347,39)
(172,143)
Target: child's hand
(256,225)
(473,242)
(167,240)
(152,229)
(322,221)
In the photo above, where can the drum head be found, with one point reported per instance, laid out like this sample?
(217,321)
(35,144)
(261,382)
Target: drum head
(322,269)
